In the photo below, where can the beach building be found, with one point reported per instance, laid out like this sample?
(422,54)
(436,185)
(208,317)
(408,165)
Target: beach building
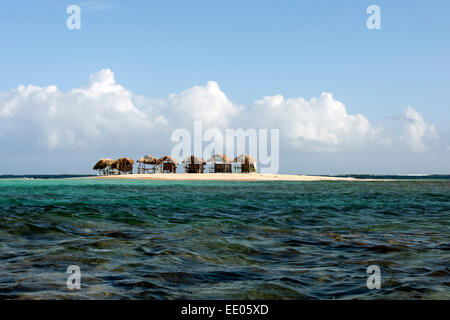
(104,166)
(245,163)
(220,163)
(146,164)
(167,164)
(193,164)
(123,165)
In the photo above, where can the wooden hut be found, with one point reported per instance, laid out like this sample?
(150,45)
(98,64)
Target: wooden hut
(123,165)
(144,161)
(193,164)
(103,166)
(221,163)
(167,164)
(245,163)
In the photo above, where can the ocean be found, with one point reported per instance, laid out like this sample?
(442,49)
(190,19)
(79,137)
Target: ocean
(136,239)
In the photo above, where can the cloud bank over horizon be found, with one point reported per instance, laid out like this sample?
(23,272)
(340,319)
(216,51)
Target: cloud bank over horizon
(104,118)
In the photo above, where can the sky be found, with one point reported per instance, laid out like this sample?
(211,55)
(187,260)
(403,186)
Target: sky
(345,99)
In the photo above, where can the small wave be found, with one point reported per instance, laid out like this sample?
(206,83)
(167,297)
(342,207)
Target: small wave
(397,176)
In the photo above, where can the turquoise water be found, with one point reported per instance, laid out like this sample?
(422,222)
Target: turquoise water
(229,240)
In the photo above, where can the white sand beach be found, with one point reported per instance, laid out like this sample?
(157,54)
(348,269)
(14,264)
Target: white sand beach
(227,177)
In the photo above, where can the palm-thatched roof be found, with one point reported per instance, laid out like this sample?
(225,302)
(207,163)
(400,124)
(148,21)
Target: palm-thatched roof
(245,158)
(166,159)
(123,164)
(194,159)
(103,164)
(149,159)
(219,157)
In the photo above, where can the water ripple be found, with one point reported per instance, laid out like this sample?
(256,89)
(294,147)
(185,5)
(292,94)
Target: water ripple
(229,240)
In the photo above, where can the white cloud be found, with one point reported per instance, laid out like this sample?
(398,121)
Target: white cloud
(317,124)
(104,116)
(83,118)
(418,133)
(208,103)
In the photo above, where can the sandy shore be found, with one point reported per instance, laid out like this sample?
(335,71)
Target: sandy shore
(228,177)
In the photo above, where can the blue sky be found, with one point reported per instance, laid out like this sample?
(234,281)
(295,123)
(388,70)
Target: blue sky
(250,48)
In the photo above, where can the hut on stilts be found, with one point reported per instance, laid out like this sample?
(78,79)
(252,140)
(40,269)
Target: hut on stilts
(123,165)
(145,161)
(167,164)
(245,163)
(104,166)
(193,164)
(221,163)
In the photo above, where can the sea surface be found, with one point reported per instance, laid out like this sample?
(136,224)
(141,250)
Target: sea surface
(224,240)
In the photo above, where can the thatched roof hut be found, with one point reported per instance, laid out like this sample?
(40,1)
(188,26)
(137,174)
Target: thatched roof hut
(247,163)
(219,157)
(146,160)
(193,164)
(167,164)
(123,165)
(194,159)
(221,163)
(103,164)
(245,158)
(166,159)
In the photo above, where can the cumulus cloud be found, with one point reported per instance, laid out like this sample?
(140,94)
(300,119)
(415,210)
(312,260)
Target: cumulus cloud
(103,116)
(319,123)
(418,133)
(206,103)
(83,118)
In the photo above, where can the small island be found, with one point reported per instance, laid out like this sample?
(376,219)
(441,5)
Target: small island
(218,167)
(228,177)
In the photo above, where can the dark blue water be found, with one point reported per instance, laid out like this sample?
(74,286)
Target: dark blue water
(211,239)
(398,177)
(45,176)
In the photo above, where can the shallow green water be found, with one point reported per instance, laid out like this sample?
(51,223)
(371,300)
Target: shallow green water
(210,240)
